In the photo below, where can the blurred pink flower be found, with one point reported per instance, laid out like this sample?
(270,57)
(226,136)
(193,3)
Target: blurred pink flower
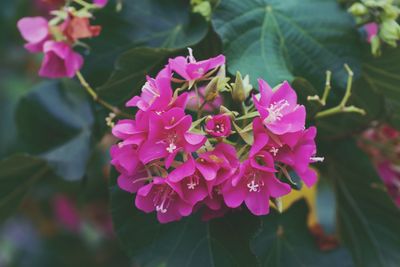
(59,61)
(35,30)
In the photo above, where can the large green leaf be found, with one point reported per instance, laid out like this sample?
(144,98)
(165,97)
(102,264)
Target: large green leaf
(284,240)
(55,121)
(276,40)
(17,175)
(382,75)
(153,23)
(130,72)
(368,219)
(190,242)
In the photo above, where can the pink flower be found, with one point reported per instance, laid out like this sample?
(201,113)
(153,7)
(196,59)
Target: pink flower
(100,3)
(35,30)
(133,131)
(191,70)
(131,182)
(218,165)
(301,155)
(156,93)
(279,109)
(167,201)
(372,29)
(255,183)
(390,175)
(66,213)
(125,158)
(168,135)
(208,107)
(59,60)
(219,125)
(191,182)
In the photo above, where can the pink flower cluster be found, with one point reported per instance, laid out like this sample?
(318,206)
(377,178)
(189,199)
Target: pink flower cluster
(382,143)
(176,166)
(56,42)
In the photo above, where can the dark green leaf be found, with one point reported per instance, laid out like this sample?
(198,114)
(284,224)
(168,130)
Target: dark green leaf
(277,40)
(55,121)
(130,72)
(382,75)
(190,242)
(284,240)
(17,175)
(154,23)
(368,219)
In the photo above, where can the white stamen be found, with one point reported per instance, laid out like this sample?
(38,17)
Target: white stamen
(317,159)
(191,57)
(191,185)
(253,187)
(171,148)
(275,111)
(161,208)
(274,151)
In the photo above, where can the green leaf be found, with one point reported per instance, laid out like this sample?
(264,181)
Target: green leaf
(55,122)
(189,242)
(277,40)
(17,175)
(368,219)
(284,240)
(382,76)
(153,23)
(130,72)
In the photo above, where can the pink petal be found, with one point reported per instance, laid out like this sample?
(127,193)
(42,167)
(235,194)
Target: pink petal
(184,170)
(150,151)
(258,203)
(276,188)
(208,170)
(285,91)
(33,29)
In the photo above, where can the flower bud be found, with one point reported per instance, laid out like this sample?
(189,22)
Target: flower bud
(358,9)
(238,93)
(212,90)
(376,46)
(390,32)
(217,84)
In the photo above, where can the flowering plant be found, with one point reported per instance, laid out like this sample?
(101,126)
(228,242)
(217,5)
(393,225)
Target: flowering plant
(177,162)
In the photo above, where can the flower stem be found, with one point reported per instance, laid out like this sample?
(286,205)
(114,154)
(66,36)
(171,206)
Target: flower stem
(341,108)
(96,97)
(326,90)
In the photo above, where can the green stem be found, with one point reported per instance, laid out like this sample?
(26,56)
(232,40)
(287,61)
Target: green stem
(97,99)
(327,90)
(341,108)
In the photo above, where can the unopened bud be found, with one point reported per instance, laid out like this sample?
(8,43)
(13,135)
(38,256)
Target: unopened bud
(390,32)
(212,89)
(358,9)
(238,93)
(375,46)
